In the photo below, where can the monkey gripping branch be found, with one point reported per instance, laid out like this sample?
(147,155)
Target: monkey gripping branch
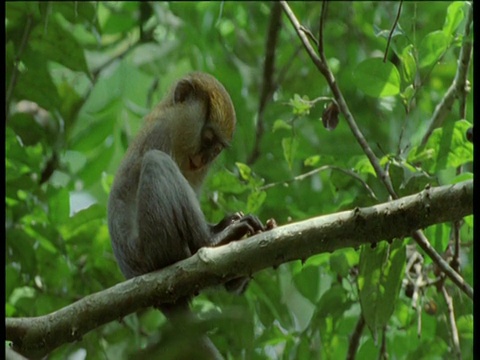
(38,336)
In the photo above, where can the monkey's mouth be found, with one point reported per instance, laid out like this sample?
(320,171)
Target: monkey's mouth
(195,162)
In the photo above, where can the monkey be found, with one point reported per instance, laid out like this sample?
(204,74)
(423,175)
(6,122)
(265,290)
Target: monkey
(154,215)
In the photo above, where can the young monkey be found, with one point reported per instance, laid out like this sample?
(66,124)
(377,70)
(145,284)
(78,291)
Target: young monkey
(154,215)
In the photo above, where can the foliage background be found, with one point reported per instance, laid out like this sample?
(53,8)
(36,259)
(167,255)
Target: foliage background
(81,76)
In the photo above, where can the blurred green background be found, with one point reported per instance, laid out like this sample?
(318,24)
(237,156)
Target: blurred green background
(80,76)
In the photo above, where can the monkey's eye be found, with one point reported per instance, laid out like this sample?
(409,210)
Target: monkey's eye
(209,139)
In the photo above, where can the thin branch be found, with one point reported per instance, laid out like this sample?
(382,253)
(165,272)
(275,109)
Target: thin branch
(268,86)
(310,35)
(453,325)
(382,353)
(393,29)
(321,24)
(355,338)
(458,86)
(424,244)
(456,245)
(13,77)
(213,266)
(320,169)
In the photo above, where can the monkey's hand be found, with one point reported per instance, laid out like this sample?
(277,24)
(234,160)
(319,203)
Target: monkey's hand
(234,227)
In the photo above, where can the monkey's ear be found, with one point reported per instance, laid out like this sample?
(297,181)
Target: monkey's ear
(183,91)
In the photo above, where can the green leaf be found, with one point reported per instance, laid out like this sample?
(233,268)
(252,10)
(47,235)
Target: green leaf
(379,281)
(245,171)
(58,205)
(20,247)
(59,45)
(255,201)
(75,11)
(465,326)
(376,78)
(97,162)
(454,17)
(464,176)
(334,301)
(81,220)
(408,94)
(447,147)
(343,260)
(312,160)
(289,146)
(122,20)
(364,166)
(226,182)
(105,122)
(35,83)
(301,105)
(432,48)
(281,124)
(409,65)
(307,281)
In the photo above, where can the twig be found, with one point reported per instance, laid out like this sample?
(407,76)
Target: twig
(317,170)
(382,353)
(268,86)
(322,66)
(355,338)
(309,34)
(321,24)
(13,77)
(458,85)
(424,244)
(456,245)
(453,325)
(391,31)
(418,308)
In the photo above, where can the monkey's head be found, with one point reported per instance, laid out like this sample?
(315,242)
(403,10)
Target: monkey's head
(201,122)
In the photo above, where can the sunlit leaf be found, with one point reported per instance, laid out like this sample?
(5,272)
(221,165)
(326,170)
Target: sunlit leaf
(409,65)
(289,146)
(454,17)
(432,47)
(377,78)
(446,147)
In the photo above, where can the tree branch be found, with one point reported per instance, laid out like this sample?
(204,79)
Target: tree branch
(453,324)
(15,72)
(320,169)
(268,85)
(212,266)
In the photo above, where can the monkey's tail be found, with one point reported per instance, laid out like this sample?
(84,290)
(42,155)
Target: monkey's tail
(195,343)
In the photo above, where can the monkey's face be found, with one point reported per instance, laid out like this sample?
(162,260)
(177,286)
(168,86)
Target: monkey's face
(206,124)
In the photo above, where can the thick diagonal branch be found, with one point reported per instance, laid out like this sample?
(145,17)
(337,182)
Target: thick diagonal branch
(212,266)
